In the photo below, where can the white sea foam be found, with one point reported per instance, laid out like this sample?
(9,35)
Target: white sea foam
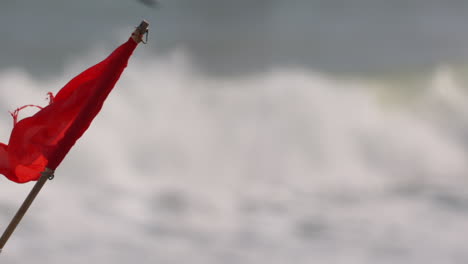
(289,165)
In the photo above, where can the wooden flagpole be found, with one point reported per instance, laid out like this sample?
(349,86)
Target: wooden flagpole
(137,35)
(47,174)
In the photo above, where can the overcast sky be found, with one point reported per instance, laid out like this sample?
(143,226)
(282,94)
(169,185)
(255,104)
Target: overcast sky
(246,37)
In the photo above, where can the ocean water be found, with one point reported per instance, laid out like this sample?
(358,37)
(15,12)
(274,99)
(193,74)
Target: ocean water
(266,132)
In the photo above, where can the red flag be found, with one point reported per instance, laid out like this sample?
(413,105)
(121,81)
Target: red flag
(42,140)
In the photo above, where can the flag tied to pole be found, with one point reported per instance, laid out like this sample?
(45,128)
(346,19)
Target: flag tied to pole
(43,140)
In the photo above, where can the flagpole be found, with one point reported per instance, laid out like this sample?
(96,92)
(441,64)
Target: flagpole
(47,174)
(137,36)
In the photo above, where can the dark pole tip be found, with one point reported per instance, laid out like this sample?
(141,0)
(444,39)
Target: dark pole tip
(143,27)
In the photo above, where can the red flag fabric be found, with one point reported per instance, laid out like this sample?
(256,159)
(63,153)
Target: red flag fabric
(43,140)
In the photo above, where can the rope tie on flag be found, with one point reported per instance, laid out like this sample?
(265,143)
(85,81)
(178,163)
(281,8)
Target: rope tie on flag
(141,30)
(146,37)
(51,176)
(49,173)
(51,97)
(15,113)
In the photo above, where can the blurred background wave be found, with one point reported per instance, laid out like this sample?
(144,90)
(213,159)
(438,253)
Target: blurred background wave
(248,132)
